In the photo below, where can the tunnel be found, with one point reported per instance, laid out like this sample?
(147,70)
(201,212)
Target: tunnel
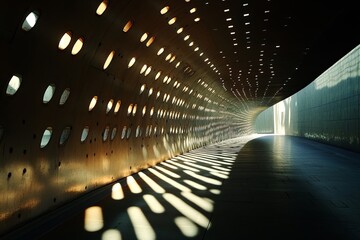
(179,119)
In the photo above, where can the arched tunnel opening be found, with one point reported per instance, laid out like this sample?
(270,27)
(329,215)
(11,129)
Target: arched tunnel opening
(185,119)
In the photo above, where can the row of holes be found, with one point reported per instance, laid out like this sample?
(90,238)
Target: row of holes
(49,92)
(125,132)
(31,19)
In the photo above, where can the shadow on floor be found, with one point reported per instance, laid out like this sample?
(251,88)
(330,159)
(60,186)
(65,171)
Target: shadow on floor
(272,187)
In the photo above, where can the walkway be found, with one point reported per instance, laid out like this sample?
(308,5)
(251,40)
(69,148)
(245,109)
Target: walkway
(256,187)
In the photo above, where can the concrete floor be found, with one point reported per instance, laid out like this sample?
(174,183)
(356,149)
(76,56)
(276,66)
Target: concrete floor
(256,187)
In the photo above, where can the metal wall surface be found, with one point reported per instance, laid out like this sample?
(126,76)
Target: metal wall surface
(53,147)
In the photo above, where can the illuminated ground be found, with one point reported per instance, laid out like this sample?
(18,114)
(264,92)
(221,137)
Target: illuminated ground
(256,187)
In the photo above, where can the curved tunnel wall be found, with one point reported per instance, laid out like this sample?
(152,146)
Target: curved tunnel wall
(327,110)
(75,114)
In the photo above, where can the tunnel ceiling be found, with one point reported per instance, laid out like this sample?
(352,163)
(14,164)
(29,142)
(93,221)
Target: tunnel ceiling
(266,50)
(95,90)
(249,51)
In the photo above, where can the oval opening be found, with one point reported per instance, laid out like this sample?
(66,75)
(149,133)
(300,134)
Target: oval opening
(131,63)
(102,7)
(84,134)
(113,133)
(123,134)
(142,88)
(46,137)
(157,75)
(49,93)
(64,41)
(109,106)
(108,59)
(142,70)
(117,107)
(127,26)
(64,96)
(93,103)
(143,110)
(128,133)
(144,37)
(77,46)
(65,135)
(164,10)
(134,110)
(150,41)
(106,133)
(137,133)
(180,30)
(13,85)
(148,70)
(130,109)
(172,21)
(30,21)
(161,50)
